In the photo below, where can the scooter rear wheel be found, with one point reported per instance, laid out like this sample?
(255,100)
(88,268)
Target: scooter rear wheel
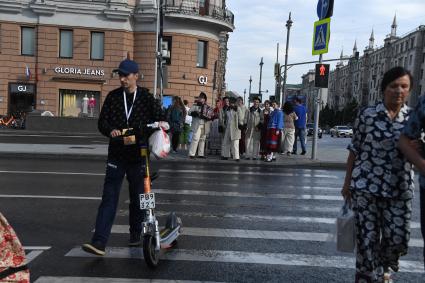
(149,253)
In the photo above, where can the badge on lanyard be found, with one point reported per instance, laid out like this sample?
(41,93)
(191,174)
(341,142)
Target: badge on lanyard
(128,134)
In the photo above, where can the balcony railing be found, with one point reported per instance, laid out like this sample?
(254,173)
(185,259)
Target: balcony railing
(199,8)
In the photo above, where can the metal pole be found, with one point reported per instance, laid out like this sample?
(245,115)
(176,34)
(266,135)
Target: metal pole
(250,82)
(155,83)
(261,74)
(278,80)
(244,97)
(285,74)
(316,119)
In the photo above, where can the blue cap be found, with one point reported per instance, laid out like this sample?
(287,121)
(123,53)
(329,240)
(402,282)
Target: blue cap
(127,67)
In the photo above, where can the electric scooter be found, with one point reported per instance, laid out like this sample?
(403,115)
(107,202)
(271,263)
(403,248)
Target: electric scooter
(153,239)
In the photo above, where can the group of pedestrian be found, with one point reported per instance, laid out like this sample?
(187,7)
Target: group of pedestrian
(379,178)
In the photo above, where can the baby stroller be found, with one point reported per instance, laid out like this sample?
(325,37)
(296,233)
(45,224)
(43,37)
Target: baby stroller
(12,255)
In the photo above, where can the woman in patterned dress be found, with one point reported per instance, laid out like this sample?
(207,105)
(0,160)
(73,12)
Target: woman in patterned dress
(379,181)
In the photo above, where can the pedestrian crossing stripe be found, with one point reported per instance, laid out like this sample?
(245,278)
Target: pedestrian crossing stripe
(52,279)
(256,217)
(281,259)
(321,35)
(256,234)
(34,252)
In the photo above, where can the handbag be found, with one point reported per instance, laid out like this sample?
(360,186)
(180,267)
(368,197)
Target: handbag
(345,230)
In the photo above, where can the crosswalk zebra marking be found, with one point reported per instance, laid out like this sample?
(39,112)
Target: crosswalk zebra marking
(244,258)
(257,234)
(52,279)
(254,217)
(254,173)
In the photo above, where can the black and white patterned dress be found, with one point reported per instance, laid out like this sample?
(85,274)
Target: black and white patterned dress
(382,190)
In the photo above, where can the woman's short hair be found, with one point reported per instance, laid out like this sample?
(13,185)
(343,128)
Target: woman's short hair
(393,74)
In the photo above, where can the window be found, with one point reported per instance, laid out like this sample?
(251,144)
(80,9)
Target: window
(412,42)
(65,44)
(166,47)
(410,59)
(27,41)
(79,103)
(202,54)
(97,45)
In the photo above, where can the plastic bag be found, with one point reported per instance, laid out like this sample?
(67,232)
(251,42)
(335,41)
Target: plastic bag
(159,143)
(345,230)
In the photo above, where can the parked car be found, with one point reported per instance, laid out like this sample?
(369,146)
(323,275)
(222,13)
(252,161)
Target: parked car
(310,130)
(341,131)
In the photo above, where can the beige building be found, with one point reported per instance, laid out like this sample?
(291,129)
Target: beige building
(59,55)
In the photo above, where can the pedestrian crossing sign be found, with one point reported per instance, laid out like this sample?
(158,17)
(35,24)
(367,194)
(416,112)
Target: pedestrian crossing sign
(321,35)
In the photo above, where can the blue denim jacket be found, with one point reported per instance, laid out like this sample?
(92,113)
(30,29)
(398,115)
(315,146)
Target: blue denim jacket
(276,120)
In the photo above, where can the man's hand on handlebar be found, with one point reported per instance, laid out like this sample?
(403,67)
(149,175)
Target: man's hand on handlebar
(115,133)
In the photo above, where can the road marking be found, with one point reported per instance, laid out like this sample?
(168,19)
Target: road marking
(249,195)
(51,197)
(237,185)
(51,279)
(290,206)
(245,257)
(51,173)
(47,136)
(253,217)
(35,251)
(257,234)
(228,172)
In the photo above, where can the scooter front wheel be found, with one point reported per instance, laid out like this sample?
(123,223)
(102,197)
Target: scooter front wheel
(150,254)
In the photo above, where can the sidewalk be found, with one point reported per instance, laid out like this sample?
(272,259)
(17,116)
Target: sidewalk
(332,153)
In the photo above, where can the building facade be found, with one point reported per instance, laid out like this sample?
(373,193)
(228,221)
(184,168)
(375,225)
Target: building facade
(360,78)
(58,56)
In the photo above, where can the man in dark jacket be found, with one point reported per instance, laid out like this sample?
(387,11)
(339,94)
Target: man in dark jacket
(123,118)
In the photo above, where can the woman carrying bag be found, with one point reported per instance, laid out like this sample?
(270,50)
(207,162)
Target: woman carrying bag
(379,181)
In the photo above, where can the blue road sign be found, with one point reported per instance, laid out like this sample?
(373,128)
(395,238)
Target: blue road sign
(325,9)
(322,30)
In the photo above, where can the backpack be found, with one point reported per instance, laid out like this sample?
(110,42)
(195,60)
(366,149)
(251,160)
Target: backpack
(12,255)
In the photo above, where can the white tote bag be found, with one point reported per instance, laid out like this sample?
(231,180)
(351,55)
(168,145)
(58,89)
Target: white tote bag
(159,143)
(345,230)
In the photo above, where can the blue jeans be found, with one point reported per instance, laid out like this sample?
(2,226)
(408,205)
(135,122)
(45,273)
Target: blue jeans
(299,133)
(115,172)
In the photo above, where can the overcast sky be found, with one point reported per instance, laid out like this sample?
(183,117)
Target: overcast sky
(260,25)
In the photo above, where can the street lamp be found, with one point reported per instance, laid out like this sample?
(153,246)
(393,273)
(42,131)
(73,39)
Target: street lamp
(288,27)
(250,82)
(261,74)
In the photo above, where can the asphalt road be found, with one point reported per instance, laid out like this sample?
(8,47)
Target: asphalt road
(241,224)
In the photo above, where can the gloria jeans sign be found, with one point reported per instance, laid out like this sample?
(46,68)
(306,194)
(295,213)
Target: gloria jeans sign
(79,71)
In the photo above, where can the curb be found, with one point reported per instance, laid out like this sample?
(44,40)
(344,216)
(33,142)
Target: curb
(293,163)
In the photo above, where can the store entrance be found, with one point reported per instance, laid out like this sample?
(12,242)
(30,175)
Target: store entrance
(21,98)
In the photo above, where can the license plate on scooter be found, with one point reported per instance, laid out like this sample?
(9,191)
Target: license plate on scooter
(147,201)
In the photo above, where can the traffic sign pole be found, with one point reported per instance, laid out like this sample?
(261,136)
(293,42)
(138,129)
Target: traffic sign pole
(316,119)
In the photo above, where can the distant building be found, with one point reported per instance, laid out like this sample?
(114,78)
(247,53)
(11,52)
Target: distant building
(54,54)
(360,78)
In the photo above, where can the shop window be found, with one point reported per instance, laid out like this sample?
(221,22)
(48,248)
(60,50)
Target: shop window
(97,45)
(27,41)
(79,103)
(65,44)
(202,54)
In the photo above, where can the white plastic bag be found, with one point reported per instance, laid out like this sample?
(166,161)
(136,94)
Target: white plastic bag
(159,143)
(345,230)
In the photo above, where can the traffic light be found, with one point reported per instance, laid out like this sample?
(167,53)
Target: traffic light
(321,77)
(277,70)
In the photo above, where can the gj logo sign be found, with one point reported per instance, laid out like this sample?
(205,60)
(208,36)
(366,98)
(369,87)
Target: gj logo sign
(22,88)
(203,80)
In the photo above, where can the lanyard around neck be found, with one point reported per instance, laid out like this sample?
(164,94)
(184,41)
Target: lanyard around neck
(128,112)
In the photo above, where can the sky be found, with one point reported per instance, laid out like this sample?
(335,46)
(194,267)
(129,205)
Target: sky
(260,25)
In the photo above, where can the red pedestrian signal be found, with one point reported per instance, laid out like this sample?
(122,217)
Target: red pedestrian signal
(321,77)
